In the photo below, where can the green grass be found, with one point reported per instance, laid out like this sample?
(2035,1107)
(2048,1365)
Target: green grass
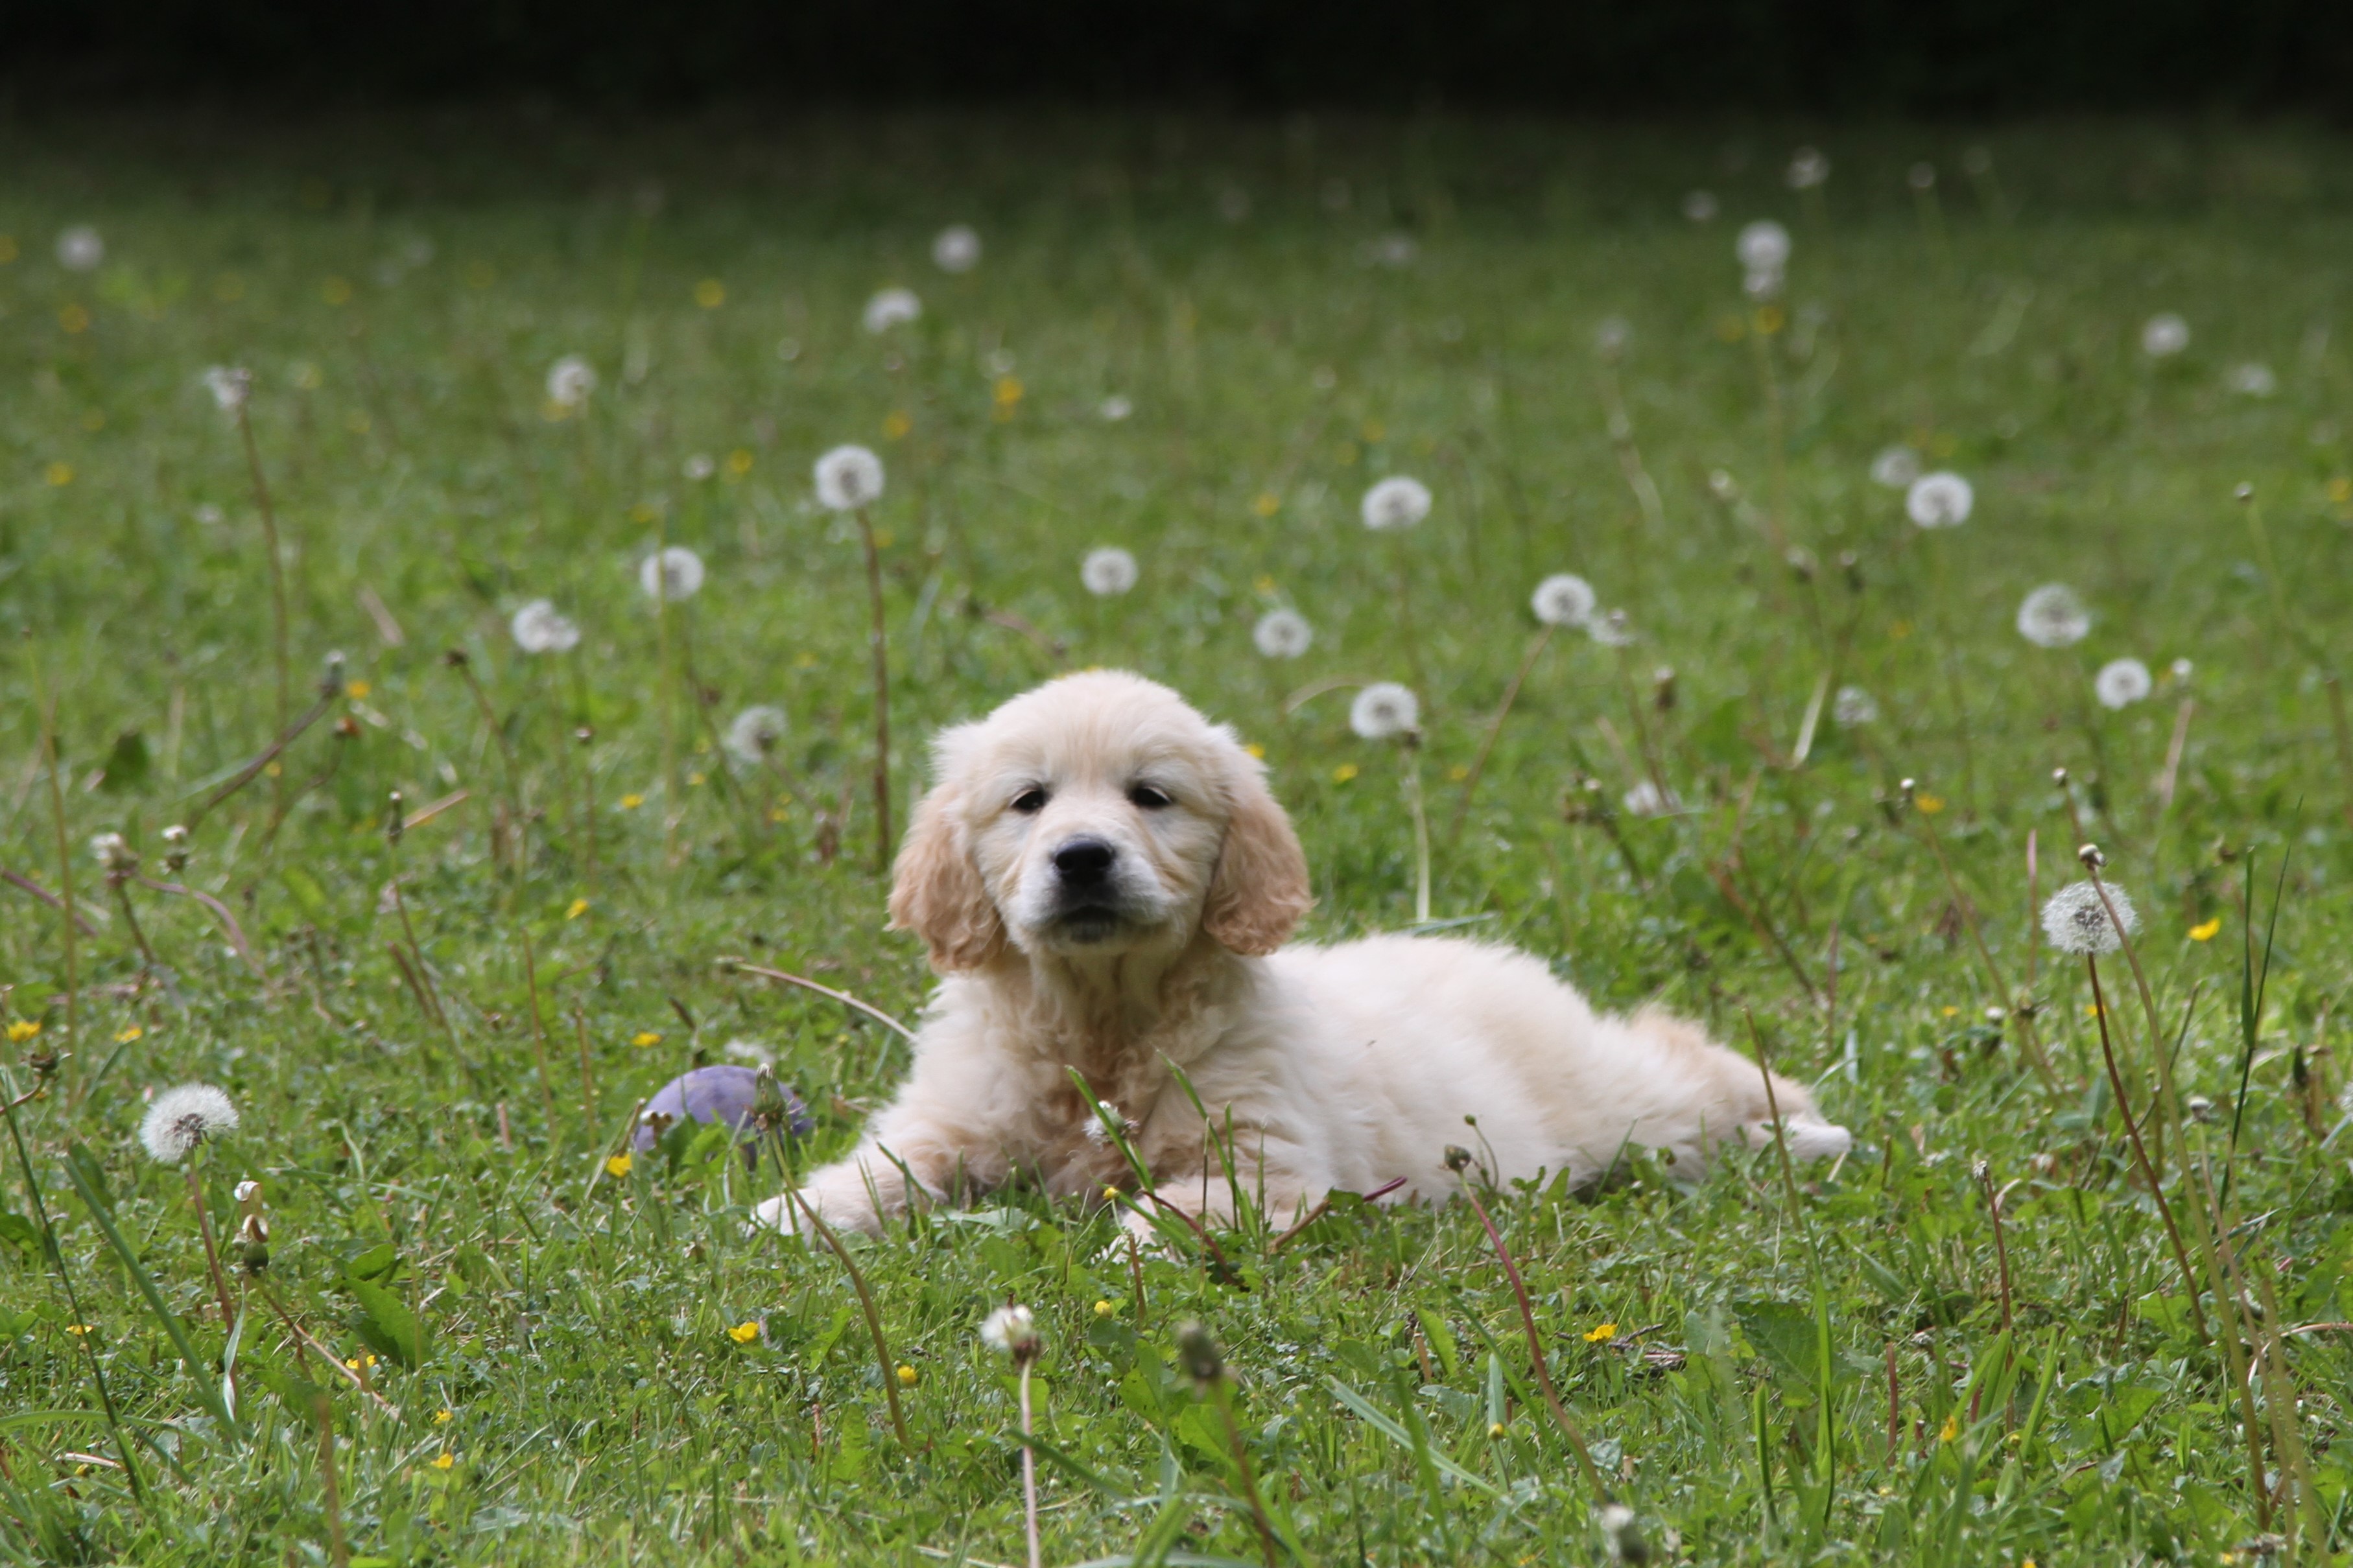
(574,1327)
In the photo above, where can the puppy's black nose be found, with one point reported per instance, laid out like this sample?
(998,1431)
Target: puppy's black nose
(1083,860)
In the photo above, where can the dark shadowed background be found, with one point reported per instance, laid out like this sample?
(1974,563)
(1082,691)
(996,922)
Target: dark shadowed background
(1967,58)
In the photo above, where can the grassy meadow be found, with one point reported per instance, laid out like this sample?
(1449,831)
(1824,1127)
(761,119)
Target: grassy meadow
(1802,789)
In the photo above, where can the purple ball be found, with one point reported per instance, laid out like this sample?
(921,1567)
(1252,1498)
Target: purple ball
(724,1095)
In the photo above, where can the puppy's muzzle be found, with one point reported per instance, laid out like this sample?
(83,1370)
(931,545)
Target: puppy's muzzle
(1084,866)
(1087,899)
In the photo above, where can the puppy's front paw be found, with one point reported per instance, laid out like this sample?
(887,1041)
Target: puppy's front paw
(1809,1137)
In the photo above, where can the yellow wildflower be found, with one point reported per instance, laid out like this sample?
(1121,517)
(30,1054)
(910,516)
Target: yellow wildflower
(631,801)
(577,908)
(446,1461)
(644,1037)
(2205,930)
(129,1033)
(906,1376)
(744,1333)
(23,1030)
(1929,804)
(1266,504)
(1343,773)
(59,475)
(357,690)
(1103,1309)
(440,1417)
(896,423)
(1600,1331)
(619,1165)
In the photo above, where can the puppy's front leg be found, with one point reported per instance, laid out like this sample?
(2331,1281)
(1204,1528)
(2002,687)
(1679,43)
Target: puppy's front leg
(1281,1196)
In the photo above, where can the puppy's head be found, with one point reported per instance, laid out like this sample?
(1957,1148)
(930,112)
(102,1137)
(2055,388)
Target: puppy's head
(1098,813)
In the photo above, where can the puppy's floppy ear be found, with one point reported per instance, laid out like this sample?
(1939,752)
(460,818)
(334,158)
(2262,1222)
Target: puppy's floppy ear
(1260,887)
(936,891)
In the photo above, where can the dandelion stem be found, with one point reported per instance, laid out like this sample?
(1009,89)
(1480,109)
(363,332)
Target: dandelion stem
(212,1256)
(2140,1152)
(877,639)
(1029,1472)
(866,1304)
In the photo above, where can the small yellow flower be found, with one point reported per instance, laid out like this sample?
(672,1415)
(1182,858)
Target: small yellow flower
(127,1033)
(1103,1309)
(1952,1012)
(574,910)
(2341,489)
(1373,430)
(646,1037)
(356,1362)
(695,780)
(739,462)
(744,1333)
(644,511)
(1343,773)
(1007,392)
(906,1376)
(1255,749)
(23,1030)
(1458,773)
(1263,584)
(1265,503)
(441,1417)
(1929,804)
(1600,1331)
(1494,1428)
(446,1461)
(2205,930)
(272,769)
(74,319)
(1768,321)
(59,475)
(619,1165)
(357,690)
(336,291)
(1111,1193)
(631,801)
(1950,1429)
(896,423)
(80,1328)
(884,538)
(711,294)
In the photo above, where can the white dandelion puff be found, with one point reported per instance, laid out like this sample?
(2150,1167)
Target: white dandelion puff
(892,307)
(1010,1331)
(1394,251)
(755,734)
(1108,572)
(179,1119)
(230,387)
(539,627)
(1699,207)
(956,248)
(849,478)
(2122,682)
(2053,616)
(674,574)
(1895,468)
(1384,708)
(1853,706)
(1763,246)
(1921,176)
(1563,599)
(1610,628)
(1396,502)
(1647,799)
(570,380)
(1611,337)
(2077,920)
(2164,335)
(1941,499)
(79,248)
(1282,634)
(113,852)
(1113,409)
(698,467)
(2253,379)
(1807,168)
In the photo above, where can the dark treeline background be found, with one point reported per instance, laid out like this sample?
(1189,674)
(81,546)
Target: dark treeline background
(1618,57)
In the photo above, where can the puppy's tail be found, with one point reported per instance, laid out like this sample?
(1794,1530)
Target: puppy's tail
(1720,1095)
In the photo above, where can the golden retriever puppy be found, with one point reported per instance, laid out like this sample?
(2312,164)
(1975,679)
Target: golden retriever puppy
(1106,887)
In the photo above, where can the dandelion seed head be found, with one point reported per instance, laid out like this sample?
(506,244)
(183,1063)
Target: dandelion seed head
(891,308)
(956,248)
(1113,409)
(179,1119)
(1610,628)
(2253,379)
(80,250)
(1895,468)
(755,733)
(540,627)
(570,380)
(1763,246)
(113,852)
(698,466)
(1853,706)
(847,477)
(1282,634)
(1921,176)
(1610,338)
(1108,572)
(674,574)
(1396,502)
(1394,251)
(2164,335)
(1941,499)
(1807,169)
(1647,799)
(1699,207)
(2122,682)
(2077,920)
(1383,710)
(230,387)
(1010,1330)
(1563,599)
(2053,616)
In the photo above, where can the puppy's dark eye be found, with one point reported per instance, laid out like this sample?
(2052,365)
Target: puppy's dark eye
(1029,802)
(1150,797)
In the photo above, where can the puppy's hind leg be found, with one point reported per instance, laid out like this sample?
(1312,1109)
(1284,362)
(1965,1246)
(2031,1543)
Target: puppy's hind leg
(1725,1095)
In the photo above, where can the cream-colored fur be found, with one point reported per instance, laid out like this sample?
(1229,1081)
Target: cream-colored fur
(1337,1068)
